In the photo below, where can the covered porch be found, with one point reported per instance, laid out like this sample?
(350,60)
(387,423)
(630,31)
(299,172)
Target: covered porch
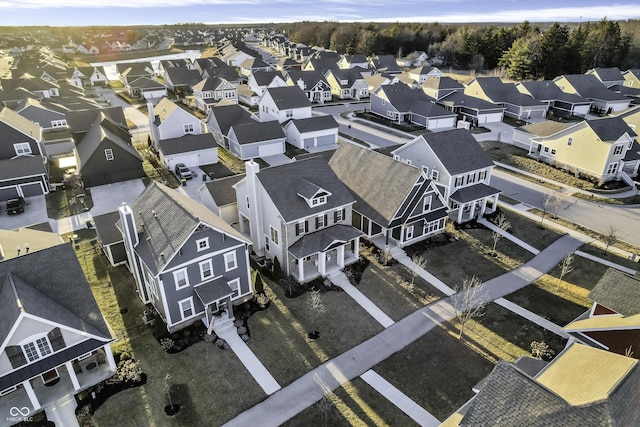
(215,296)
(323,252)
(472,201)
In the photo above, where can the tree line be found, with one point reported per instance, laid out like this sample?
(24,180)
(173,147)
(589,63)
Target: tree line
(523,51)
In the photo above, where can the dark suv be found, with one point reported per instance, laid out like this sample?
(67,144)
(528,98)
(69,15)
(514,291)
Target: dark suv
(15,206)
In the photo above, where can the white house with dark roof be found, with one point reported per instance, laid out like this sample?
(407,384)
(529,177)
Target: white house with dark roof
(394,201)
(147,89)
(186,261)
(222,117)
(54,341)
(192,150)
(299,213)
(168,120)
(256,139)
(210,91)
(260,81)
(219,196)
(313,132)
(458,166)
(284,103)
(348,83)
(313,83)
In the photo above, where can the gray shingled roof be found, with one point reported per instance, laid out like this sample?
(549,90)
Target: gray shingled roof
(288,97)
(315,123)
(379,183)
(440,83)
(187,143)
(213,290)
(459,99)
(51,285)
(310,77)
(81,120)
(405,99)
(588,86)
(618,291)
(250,133)
(222,191)
(321,240)
(458,150)
(264,78)
(501,92)
(278,183)
(145,83)
(547,90)
(610,74)
(473,192)
(21,166)
(106,228)
(182,76)
(208,84)
(177,217)
(609,129)
(228,115)
(102,131)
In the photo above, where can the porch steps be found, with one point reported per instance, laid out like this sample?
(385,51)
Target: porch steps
(63,411)
(228,332)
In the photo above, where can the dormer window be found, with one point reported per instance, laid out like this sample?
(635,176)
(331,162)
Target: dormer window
(22,149)
(319,200)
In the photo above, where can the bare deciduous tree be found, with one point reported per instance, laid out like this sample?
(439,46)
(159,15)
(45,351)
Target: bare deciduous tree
(316,303)
(469,301)
(503,224)
(419,263)
(611,237)
(325,404)
(566,267)
(551,203)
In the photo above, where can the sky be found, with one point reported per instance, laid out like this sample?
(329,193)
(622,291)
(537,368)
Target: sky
(157,12)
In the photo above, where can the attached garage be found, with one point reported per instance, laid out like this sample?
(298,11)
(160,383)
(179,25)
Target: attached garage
(489,118)
(270,149)
(192,150)
(32,189)
(7,193)
(190,160)
(442,123)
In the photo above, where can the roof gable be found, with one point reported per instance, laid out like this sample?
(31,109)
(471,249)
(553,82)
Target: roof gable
(458,151)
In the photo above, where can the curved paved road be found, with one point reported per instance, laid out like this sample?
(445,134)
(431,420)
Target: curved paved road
(308,389)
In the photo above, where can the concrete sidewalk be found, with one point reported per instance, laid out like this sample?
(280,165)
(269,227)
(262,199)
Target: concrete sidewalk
(305,391)
(62,412)
(228,332)
(339,279)
(401,400)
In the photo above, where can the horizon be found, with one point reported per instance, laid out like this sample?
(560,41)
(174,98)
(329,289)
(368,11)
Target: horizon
(75,13)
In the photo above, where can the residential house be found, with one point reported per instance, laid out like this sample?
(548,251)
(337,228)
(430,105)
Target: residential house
(147,89)
(288,64)
(222,117)
(300,214)
(181,80)
(595,148)
(23,240)
(517,104)
(284,103)
(129,71)
(260,81)
(48,116)
(256,139)
(374,81)
(609,77)
(88,76)
(210,91)
(253,65)
(190,149)
(472,110)
(385,64)
(168,120)
(604,101)
(312,132)
(414,59)
(438,87)
(313,83)
(401,104)
(394,201)
(613,322)
(23,165)
(632,78)
(422,73)
(559,103)
(186,261)
(219,196)
(43,88)
(110,238)
(458,166)
(581,386)
(347,62)
(348,83)
(54,340)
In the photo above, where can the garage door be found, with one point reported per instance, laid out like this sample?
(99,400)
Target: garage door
(308,142)
(33,189)
(490,118)
(7,193)
(441,123)
(326,140)
(269,150)
(191,161)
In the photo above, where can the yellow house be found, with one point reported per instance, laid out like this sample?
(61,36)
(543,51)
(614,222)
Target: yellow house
(631,116)
(595,148)
(632,78)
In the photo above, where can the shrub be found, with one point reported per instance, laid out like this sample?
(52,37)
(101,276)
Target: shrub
(258,286)
(262,300)
(166,344)
(277,270)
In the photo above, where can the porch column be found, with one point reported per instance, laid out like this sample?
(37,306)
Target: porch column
(322,263)
(72,375)
(241,218)
(483,208)
(473,210)
(356,247)
(32,395)
(460,209)
(340,255)
(495,202)
(229,308)
(110,359)
(300,269)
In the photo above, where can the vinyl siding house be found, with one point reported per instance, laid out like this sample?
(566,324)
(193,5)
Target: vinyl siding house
(517,104)
(43,115)
(458,166)
(168,120)
(54,341)
(260,81)
(313,83)
(320,131)
(257,139)
(613,322)
(146,89)
(219,196)
(348,83)
(23,170)
(560,103)
(128,72)
(420,74)
(110,238)
(470,109)
(88,76)
(222,117)
(632,78)
(299,213)
(604,101)
(210,91)
(394,201)
(594,148)
(186,261)
(610,76)
(284,103)
(192,150)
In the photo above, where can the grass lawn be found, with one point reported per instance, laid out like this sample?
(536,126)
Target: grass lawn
(529,231)
(356,403)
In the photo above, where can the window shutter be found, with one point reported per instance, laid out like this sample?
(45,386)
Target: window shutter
(317,223)
(306,226)
(335,217)
(56,340)
(344,213)
(297,229)
(16,356)
(326,220)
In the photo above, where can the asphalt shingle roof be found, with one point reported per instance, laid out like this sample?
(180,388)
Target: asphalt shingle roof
(222,191)
(106,227)
(610,128)
(187,143)
(618,291)
(458,150)
(288,97)
(321,240)
(250,133)
(315,123)
(228,115)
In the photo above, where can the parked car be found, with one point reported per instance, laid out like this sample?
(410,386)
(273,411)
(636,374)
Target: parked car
(15,206)
(183,172)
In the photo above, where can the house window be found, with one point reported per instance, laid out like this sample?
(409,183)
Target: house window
(108,154)
(459,181)
(338,215)
(58,123)
(206,269)
(266,243)
(186,307)
(618,149)
(426,170)
(570,141)
(321,221)
(181,279)
(151,283)
(301,227)
(248,205)
(22,148)
(483,175)
(430,227)
(612,168)
(235,287)
(546,149)
(435,175)
(274,235)
(202,244)
(230,261)
(229,94)
(553,151)
(188,128)
(384,103)
(34,350)
(409,233)
(289,114)
(471,178)
(320,200)
(426,203)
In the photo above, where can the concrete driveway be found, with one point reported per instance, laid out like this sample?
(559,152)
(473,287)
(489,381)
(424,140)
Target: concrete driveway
(277,159)
(107,198)
(500,131)
(35,212)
